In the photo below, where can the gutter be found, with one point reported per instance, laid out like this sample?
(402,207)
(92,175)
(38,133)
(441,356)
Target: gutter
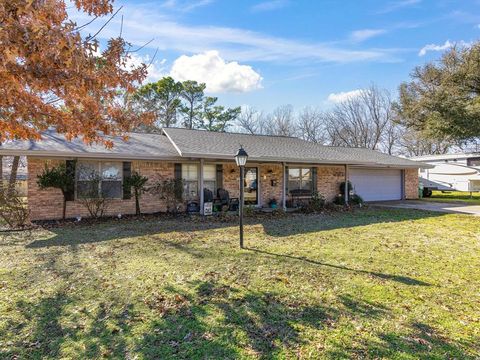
(186,156)
(83,155)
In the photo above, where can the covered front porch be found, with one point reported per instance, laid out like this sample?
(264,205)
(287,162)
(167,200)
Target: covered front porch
(267,185)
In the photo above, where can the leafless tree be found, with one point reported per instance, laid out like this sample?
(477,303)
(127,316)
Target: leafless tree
(311,125)
(391,139)
(251,121)
(281,122)
(414,143)
(361,121)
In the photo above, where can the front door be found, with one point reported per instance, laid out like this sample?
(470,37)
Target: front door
(251,186)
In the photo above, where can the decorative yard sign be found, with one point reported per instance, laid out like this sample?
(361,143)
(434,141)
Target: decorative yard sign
(208,208)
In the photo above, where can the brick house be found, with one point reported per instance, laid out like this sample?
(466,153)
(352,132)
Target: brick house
(278,168)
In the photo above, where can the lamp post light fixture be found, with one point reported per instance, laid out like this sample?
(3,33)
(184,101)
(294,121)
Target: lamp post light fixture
(241,160)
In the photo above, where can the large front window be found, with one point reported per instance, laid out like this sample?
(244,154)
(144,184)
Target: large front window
(300,181)
(99,178)
(210,178)
(190,180)
(190,176)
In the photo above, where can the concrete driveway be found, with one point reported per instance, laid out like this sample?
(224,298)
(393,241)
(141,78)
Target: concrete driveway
(455,208)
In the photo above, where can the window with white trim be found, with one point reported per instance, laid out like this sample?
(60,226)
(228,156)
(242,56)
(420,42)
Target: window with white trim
(210,178)
(300,181)
(190,180)
(99,178)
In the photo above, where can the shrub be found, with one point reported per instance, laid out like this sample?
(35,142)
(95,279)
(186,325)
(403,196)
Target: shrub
(356,199)
(339,199)
(13,209)
(170,190)
(315,204)
(249,211)
(352,199)
(342,187)
(90,197)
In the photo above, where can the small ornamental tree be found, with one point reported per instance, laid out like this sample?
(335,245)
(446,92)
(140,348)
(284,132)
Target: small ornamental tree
(91,197)
(137,182)
(13,208)
(58,177)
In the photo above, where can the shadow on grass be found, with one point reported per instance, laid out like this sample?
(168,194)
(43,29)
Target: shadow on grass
(303,224)
(261,323)
(47,334)
(398,278)
(422,342)
(289,225)
(214,320)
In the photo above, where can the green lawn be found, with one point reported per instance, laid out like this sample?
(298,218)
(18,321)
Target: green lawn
(455,196)
(400,284)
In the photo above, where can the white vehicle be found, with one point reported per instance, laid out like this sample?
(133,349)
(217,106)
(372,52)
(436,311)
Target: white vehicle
(452,172)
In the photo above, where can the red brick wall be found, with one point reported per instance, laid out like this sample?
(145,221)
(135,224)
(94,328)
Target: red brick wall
(231,176)
(48,203)
(329,179)
(411,183)
(269,173)
(266,173)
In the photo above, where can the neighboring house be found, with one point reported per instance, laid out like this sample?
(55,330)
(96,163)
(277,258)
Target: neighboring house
(278,167)
(450,172)
(21,184)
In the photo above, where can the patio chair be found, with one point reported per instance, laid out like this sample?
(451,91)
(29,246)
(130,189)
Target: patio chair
(207,195)
(223,197)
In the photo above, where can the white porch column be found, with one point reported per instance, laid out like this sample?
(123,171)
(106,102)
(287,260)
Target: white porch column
(284,188)
(346,195)
(202,200)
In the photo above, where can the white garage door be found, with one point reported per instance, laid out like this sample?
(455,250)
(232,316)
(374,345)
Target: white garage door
(377,184)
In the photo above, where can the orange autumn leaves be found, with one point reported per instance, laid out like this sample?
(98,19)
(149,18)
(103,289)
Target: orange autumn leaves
(51,77)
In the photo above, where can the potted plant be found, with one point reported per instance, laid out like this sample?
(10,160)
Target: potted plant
(272,203)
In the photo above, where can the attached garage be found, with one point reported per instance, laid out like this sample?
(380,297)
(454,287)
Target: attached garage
(377,184)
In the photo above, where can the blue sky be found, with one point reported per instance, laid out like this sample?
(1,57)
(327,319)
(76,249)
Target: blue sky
(304,53)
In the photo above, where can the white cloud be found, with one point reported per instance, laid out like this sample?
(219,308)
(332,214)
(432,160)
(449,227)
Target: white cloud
(270,5)
(447,45)
(185,6)
(219,75)
(142,24)
(155,69)
(344,96)
(432,47)
(365,34)
(396,5)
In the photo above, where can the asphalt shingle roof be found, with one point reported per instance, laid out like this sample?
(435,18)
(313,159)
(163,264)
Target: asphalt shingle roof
(197,143)
(138,146)
(183,143)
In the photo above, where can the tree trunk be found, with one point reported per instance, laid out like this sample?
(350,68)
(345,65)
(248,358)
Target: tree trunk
(13,175)
(1,172)
(137,203)
(190,123)
(64,213)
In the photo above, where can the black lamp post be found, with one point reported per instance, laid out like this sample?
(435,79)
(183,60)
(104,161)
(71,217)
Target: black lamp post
(241,160)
